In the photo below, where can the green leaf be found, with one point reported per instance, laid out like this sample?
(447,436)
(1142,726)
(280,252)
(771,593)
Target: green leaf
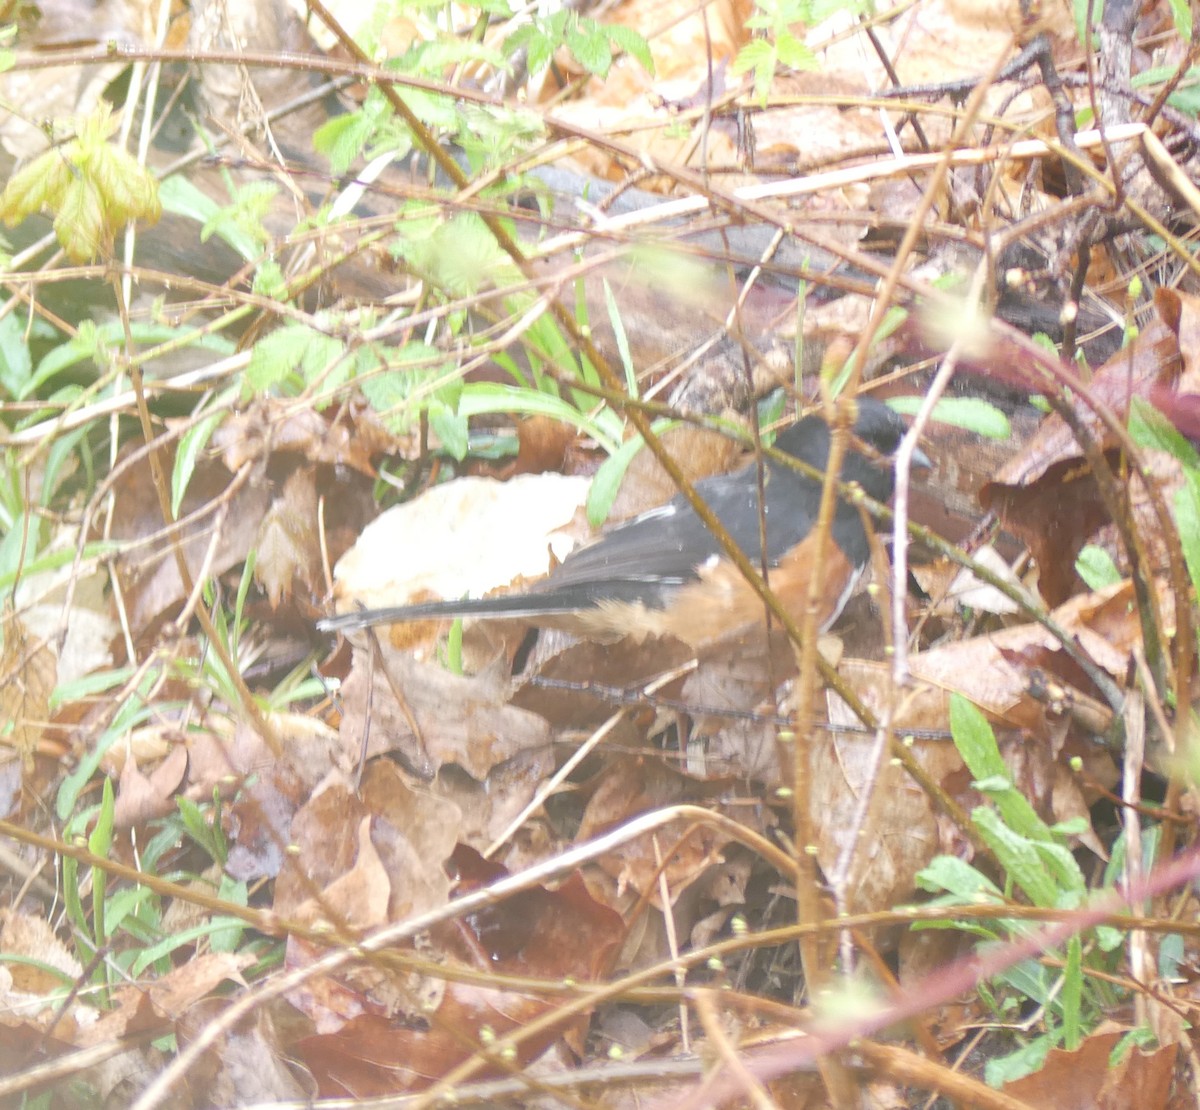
(1187,520)
(1096,567)
(229,937)
(100,844)
(461,255)
(976,743)
(200,830)
(480,398)
(450,427)
(539,47)
(40,184)
(590,47)
(21,544)
(792,52)
(180,197)
(243,217)
(191,444)
(1025,1061)
(1081,9)
(633,44)
(971,413)
(73,904)
(1061,864)
(409,379)
(287,350)
(16,363)
(618,327)
(127,190)
(607,479)
(1018,856)
(80,226)
(269,280)
(756,53)
(211,927)
(275,356)
(1071,999)
(957,877)
(975,740)
(1150,428)
(342,138)
(89,685)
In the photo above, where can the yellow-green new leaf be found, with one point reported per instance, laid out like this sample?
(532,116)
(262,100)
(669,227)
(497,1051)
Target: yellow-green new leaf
(79,224)
(39,185)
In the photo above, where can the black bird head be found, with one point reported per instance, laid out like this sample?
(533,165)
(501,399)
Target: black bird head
(877,428)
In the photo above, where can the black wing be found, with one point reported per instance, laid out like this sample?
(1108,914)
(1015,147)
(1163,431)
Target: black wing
(650,556)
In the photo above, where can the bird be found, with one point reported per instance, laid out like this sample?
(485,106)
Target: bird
(663,573)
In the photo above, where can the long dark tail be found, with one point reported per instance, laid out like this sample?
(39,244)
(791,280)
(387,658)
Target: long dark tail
(512,605)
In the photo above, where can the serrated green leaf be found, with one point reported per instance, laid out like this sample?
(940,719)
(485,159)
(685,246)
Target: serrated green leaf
(590,47)
(450,428)
(269,280)
(756,53)
(275,356)
(127,190)
(792,52)
(539,50)
(342,138)
(321,355)
(41,184)
(79,225)
(433,109)
(633,44)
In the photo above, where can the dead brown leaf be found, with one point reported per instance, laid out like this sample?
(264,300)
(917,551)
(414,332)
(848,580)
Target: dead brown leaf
(1047,495)
(1085,1079)
(429,716)
(149,577)
(459,539)
(289,551)
(141,797)
(249,1064)
(429,1029)
(629,787)
(28,675)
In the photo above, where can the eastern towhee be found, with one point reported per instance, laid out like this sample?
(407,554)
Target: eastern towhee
(664,573)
